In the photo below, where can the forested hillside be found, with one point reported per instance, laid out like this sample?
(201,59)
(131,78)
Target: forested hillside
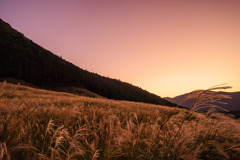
(21,58)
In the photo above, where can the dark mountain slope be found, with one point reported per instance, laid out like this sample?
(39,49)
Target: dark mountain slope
(20,58)
(232,104)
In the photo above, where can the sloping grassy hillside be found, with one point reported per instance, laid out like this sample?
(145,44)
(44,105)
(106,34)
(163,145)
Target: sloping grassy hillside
(40,124)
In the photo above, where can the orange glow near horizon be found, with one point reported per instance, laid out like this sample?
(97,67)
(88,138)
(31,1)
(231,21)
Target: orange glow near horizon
(168,48)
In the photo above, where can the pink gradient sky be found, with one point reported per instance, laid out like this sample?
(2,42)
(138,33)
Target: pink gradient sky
(167,48)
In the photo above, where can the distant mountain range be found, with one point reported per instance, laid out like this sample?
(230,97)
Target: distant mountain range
(231,105)
(22,59)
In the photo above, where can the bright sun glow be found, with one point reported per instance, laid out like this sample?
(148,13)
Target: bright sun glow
(167,48)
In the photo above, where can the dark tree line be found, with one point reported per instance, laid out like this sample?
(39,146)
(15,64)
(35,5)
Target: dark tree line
(21,58)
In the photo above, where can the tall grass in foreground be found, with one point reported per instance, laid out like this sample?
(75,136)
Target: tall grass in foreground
(205,99)
(38,124)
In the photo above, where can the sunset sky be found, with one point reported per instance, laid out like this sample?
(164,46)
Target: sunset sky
(166,47)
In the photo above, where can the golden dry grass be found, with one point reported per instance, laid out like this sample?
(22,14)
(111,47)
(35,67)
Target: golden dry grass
(46,125)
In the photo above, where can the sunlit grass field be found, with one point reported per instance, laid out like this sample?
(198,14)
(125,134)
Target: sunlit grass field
(47,125)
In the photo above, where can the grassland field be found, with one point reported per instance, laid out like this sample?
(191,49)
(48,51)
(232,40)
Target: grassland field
(47,125)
